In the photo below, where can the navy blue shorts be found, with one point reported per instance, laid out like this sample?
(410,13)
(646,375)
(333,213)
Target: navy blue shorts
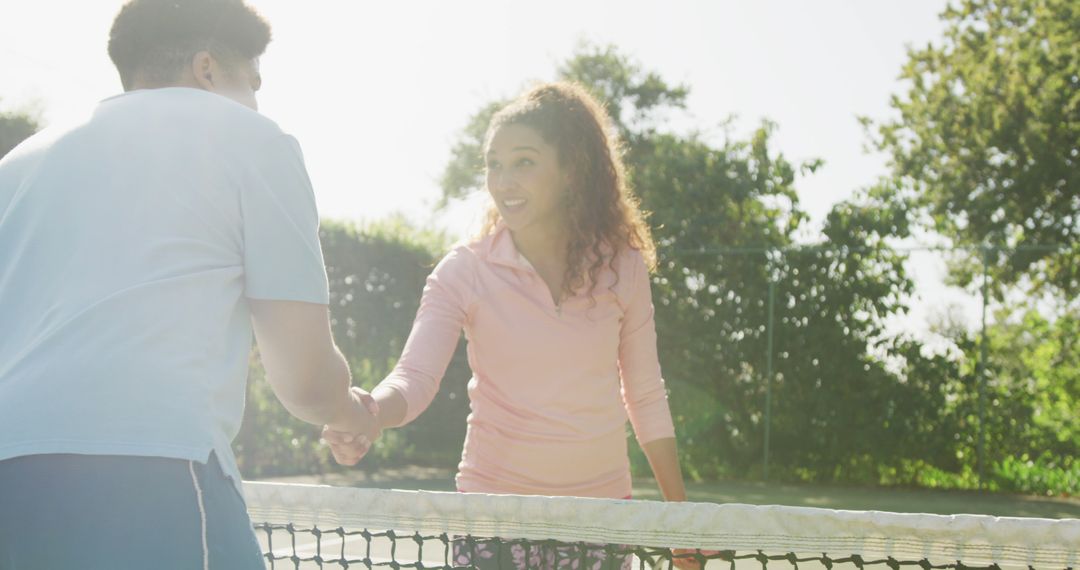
(94,512)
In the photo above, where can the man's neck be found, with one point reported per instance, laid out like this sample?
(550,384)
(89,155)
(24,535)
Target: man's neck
(185,80)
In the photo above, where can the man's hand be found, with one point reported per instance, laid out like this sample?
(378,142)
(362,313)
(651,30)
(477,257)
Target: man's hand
(351,435)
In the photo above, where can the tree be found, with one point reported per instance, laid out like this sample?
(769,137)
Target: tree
(376,274)
(635,99)
(15,127)
(988,137)
(1033,399)
(376,277)
(724,217)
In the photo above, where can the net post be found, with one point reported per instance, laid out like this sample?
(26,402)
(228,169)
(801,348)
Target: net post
(769,376)
(980,452)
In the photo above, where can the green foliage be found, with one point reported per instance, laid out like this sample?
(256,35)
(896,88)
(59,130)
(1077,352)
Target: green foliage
(1045,474)
(376,278)
(15,127)
(840,412)
(986,142)
(1048,474)
(271,442)
(1032,396)
(636,100)
(376,275)
(988,135)
(1030,404)
(724,219)
(463,174)
(711,305)
(848,402)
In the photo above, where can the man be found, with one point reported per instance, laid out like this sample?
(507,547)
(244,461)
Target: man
(138,250)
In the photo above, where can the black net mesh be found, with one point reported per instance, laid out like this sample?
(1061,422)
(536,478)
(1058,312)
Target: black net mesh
(291,546)
(324,527)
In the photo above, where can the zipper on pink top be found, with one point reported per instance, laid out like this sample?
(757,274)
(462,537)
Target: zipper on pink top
(542,286)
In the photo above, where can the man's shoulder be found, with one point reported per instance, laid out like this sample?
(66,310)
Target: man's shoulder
(199,111)
(30,150)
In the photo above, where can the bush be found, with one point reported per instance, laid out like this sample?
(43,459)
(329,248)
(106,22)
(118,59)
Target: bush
(376,275)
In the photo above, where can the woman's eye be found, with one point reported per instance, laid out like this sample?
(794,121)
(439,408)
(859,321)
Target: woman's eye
(525,162)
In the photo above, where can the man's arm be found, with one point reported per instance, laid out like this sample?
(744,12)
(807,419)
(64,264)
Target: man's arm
(304,367)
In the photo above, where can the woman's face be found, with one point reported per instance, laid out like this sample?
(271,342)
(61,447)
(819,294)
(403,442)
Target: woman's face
(524,178)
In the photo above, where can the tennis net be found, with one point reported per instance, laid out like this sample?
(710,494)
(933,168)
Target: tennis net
(304,526)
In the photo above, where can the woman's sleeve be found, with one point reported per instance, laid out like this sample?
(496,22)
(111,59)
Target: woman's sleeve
(435,333)
(643,389)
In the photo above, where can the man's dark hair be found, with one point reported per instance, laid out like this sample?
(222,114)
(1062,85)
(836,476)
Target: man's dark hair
(153,40)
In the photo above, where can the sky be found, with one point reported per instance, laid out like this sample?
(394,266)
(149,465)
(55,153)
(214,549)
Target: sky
(376,92)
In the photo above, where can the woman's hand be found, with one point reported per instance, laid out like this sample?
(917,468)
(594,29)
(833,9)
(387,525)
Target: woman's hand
(687,559)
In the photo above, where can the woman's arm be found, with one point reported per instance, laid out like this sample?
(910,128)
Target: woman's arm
(643,390)
(444,308)
(392,407)
(664,460)
(412,385)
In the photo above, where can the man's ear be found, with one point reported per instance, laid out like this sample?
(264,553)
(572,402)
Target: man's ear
(203,67)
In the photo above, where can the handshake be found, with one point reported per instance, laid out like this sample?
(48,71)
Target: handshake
(354,429)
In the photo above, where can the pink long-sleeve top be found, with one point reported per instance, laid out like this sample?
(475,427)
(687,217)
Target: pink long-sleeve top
(552,385)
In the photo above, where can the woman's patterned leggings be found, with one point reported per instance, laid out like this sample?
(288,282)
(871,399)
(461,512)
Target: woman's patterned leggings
(491,554)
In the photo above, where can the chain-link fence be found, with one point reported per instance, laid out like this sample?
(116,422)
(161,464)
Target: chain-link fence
(872,364)
(800,363)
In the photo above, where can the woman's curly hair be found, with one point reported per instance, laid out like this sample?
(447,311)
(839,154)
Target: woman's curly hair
(603,215)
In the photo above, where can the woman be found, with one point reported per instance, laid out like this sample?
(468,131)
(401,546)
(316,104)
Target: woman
(555,303)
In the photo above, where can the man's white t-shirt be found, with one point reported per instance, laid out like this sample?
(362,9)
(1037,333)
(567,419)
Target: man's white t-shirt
(129,245)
